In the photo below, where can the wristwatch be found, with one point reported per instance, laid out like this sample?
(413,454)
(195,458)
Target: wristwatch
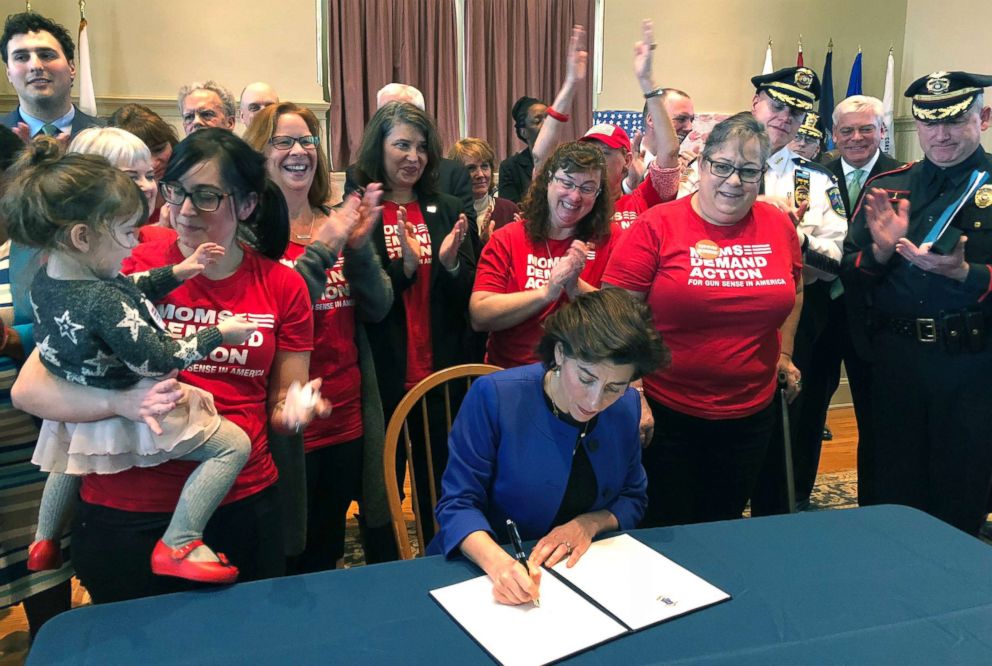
(654,93)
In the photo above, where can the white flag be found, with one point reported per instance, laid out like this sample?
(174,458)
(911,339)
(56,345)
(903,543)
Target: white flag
(87,100)
(888,144)
(768,68)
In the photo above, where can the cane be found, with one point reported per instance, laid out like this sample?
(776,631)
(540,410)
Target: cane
(790,485)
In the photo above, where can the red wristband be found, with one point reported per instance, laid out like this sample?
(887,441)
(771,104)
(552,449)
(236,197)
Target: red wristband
(560,117)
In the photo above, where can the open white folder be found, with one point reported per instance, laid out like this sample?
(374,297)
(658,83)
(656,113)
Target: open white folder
(634,583)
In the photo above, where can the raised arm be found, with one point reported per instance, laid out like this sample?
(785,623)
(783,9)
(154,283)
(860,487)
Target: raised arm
(666,142)
(575,73)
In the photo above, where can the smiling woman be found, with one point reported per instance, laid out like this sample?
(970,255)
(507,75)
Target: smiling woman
(348,286)
(722,275)
(531,268)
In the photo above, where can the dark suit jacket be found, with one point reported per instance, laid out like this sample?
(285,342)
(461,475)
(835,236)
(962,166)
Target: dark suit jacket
(80,121)
(882,164)
(515,175)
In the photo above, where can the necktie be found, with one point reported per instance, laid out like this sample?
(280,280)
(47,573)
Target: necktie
(856,180)
(49,129)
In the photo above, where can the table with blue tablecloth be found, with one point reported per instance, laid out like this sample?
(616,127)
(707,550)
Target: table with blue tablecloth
(877,585)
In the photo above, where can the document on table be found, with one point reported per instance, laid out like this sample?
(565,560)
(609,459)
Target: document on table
(526,635)
(617,579)
(636,583)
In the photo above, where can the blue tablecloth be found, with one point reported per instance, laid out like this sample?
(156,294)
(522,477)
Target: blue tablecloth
(879,585)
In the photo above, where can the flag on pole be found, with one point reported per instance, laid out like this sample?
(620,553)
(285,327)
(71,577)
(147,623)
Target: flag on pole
(826,108)
(854,83)
(799,56)
(768,68)
(87,99)
(888,137)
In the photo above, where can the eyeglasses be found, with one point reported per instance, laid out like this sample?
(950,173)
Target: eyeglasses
(205,199)
(584,190)
(286,142)
(726,170)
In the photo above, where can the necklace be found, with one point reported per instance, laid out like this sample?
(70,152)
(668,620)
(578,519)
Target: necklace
(557,412)
(309,234)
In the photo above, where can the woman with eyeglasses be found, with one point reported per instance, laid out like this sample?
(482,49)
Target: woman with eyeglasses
(217,191)
(424,245)
(348,286)
(531,268)
(722,274)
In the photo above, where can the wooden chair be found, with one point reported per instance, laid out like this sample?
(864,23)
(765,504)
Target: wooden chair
(398,425)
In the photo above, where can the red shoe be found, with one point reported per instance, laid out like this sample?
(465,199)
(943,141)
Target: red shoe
(44,555)
(168,561)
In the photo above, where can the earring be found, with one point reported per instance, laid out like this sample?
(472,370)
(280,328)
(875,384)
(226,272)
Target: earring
(557,371)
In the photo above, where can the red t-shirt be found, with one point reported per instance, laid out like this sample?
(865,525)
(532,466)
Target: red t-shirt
(334,358)
(512,262)
(237,376)
(416,297)
(718,296)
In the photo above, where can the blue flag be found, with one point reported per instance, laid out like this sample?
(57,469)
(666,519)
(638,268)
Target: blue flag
(827,98)
(854,83)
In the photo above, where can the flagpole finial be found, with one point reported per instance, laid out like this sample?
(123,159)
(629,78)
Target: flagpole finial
(769,40)
(830,44)
(27,6)
(891,48)
(859,48)
(82,9)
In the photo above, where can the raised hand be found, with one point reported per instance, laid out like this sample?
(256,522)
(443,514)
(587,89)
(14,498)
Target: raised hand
(369,214)
(448,253)
(578,57)
(643,51)
(203,256)
(885,223)
(337,226)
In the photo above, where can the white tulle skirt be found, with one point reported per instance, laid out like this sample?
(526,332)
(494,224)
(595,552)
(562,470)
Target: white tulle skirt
(116,444)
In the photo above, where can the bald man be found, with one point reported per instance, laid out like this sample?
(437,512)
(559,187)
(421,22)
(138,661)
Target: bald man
(255,97)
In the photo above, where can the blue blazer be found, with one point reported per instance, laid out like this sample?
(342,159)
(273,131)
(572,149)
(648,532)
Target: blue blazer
(80,121)
(510,457)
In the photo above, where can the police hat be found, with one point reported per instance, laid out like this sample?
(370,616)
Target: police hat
(811,126)
(797,87)
(945,95)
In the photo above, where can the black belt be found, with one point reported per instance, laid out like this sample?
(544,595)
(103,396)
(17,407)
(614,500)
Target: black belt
(957,330)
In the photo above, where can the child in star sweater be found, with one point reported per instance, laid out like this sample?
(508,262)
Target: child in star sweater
(98,328)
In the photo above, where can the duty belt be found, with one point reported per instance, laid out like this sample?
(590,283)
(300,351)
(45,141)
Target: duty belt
(956,330)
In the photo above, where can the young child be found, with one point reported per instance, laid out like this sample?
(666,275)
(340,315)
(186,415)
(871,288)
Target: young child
(98,328)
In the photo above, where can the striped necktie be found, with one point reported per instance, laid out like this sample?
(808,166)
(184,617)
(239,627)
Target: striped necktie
(855,180)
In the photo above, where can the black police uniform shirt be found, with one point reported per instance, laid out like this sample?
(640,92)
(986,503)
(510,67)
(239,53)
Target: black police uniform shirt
(900,289)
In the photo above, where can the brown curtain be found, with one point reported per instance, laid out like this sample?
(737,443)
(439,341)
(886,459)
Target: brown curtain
(375,42)
(519,47)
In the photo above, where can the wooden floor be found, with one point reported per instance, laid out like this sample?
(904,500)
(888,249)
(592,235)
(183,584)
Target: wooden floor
(839,455)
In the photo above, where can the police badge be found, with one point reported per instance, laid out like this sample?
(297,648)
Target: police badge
(801,187)
(983,197)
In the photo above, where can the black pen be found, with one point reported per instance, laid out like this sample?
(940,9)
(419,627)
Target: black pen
(518,549)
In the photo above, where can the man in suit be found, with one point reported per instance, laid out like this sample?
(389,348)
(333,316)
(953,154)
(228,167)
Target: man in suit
(452,177)
(857,134)
(38,54)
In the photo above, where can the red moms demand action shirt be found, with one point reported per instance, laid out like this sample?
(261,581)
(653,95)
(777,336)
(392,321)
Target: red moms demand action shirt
(510,263)
(718,296)
(417,297)
(270,294)
(334,359)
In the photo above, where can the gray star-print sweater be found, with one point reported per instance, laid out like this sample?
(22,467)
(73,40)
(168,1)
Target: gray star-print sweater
(107,333)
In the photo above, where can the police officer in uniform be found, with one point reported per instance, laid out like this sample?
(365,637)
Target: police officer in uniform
(917,263)
(809,138)
(809,193)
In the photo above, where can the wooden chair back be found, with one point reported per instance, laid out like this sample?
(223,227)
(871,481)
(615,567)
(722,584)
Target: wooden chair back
(398,426)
